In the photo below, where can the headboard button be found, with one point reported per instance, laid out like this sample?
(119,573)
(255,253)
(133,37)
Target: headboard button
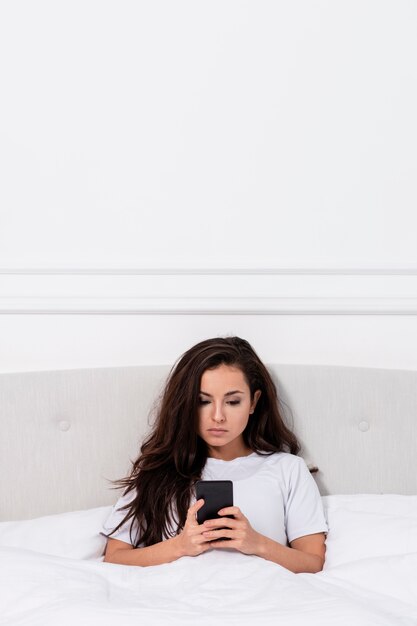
(64,425)
(363,426)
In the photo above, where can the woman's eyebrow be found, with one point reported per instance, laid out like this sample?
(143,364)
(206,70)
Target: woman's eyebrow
(229,393)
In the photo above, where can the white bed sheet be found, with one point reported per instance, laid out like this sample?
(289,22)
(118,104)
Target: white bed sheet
(369,578)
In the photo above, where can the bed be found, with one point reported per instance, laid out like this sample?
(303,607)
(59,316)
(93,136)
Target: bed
(64,435)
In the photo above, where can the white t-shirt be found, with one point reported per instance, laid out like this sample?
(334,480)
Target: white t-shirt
(277,494)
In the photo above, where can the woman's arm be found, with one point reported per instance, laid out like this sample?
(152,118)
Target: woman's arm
(306,554)
(190,542)
(123,553)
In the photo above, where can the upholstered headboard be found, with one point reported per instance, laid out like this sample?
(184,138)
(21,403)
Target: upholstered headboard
(65,434)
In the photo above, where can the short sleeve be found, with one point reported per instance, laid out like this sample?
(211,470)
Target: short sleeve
(304,514)
(116,516)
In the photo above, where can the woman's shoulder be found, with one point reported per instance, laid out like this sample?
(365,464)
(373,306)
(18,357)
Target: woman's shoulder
(285,461)
(286,458)
(125,499)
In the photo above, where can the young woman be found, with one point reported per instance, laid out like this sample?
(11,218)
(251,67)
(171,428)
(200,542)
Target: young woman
(219,418)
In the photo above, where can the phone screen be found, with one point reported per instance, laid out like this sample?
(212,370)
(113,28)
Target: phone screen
(217,494)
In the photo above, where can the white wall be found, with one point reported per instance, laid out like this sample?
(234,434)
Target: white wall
(229,135)
(48,342)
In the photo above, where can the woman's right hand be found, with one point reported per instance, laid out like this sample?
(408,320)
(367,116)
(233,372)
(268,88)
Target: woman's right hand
(191,539)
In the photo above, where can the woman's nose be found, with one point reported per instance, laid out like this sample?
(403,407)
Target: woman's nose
(218,415)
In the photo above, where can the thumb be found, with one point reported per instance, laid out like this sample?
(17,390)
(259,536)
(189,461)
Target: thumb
(194,508)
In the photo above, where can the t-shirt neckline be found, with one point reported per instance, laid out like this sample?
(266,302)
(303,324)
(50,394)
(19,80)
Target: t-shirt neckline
(238,458)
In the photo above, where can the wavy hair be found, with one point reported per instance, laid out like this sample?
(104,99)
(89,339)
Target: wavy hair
(172,456)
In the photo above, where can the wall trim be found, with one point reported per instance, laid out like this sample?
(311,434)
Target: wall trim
(209,291)
(225,307)
(164,271)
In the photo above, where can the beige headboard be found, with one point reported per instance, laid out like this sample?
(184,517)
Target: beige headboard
(63,433)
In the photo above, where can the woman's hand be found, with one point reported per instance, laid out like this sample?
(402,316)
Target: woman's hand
(242,536)
(191,540)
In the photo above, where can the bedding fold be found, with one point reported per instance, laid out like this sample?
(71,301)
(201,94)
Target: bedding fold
(218,586)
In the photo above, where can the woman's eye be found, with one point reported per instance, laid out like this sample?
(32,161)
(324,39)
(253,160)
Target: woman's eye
(232,402)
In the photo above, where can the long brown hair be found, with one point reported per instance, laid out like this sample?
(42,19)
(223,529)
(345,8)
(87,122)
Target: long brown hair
(172,456)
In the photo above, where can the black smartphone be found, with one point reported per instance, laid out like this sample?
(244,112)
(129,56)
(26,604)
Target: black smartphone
(217,494)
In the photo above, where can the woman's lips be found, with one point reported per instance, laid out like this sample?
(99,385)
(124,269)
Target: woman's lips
(217,431)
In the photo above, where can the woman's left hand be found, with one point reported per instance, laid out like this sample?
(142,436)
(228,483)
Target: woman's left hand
(242,536)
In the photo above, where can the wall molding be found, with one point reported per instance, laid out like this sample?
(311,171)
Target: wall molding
(164,271)
(209,291)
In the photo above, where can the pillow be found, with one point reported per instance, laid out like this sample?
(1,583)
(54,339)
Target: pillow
(74,535)
(369,525)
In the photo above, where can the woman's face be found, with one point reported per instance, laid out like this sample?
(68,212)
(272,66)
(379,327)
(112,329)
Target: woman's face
(224,408)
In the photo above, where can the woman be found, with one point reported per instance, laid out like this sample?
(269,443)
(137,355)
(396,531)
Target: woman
(219,418)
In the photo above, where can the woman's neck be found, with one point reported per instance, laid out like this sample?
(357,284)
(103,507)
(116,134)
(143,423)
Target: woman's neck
(228,456)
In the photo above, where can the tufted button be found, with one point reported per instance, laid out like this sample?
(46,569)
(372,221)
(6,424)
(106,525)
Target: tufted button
(64,425)
(363,426)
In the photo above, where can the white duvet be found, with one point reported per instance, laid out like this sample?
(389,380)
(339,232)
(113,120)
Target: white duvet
(52,573)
